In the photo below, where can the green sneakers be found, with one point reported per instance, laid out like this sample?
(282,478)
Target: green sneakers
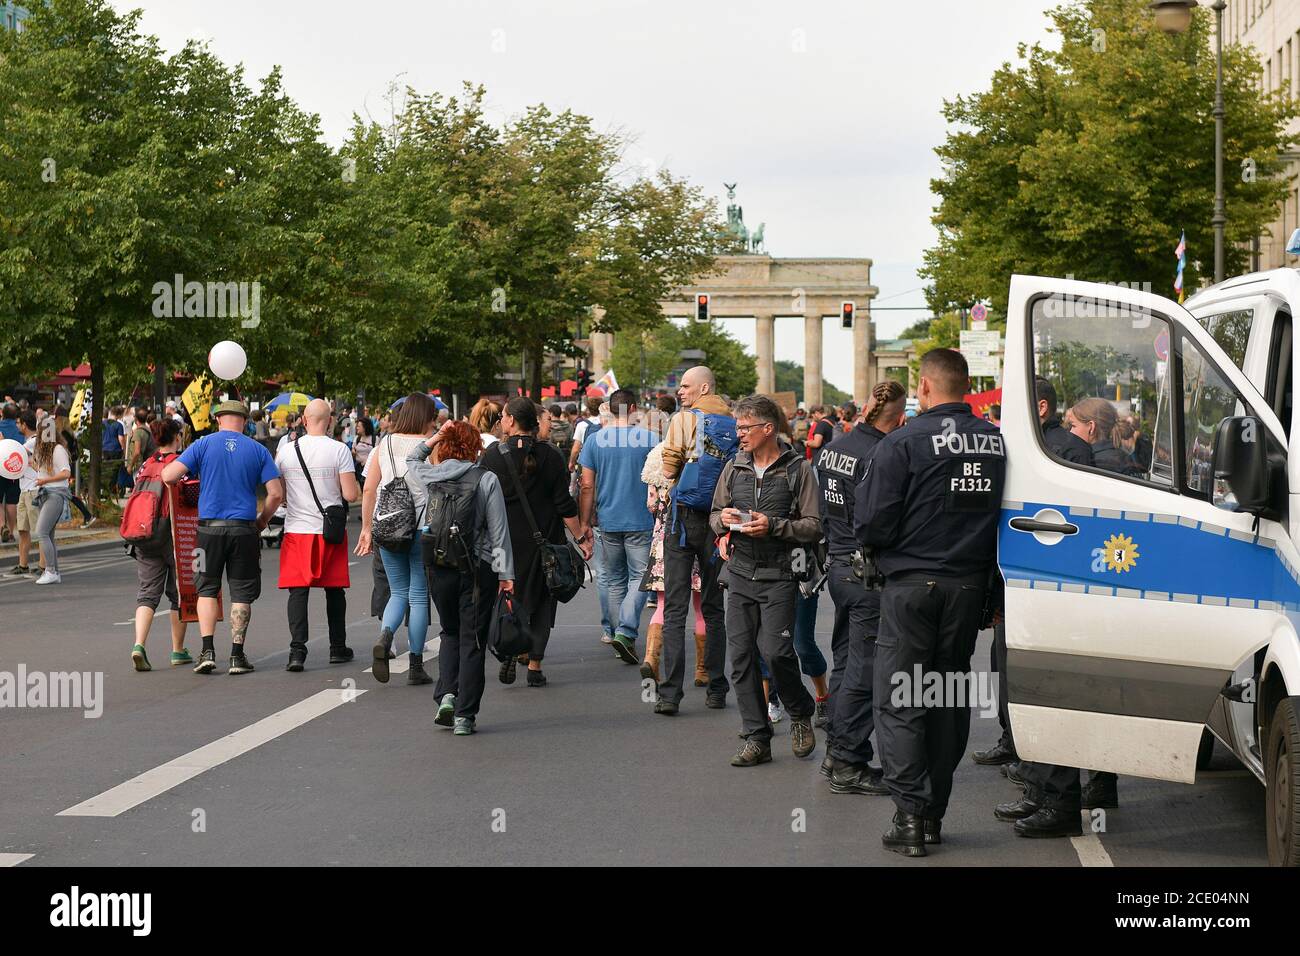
(464,726)
(140,659)
(446,711)
(625,649)
(181,657)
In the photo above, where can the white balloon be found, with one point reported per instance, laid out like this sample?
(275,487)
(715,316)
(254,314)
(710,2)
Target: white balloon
(13,458)
(227,360)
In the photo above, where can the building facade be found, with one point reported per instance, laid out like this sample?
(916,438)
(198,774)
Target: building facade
(12,15)
(1272,27)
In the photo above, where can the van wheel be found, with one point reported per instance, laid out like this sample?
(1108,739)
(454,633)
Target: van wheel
(1205,753)
(1282,788)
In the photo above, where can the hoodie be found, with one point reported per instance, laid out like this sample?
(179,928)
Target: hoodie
(492,536)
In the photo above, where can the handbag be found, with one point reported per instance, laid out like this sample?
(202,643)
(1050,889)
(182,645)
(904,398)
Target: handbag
(508,631)
(562,565)
(335,525)
(393,527)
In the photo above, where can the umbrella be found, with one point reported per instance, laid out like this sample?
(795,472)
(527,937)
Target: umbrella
(286,402)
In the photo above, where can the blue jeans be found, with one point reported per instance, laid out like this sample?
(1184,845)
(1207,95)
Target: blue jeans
(623,559)
(407,588)
(811,660)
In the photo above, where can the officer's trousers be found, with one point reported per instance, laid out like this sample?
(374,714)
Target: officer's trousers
(679,564)
(999,665)
(1057,788)
(853,647)
(760,620)
(928,625)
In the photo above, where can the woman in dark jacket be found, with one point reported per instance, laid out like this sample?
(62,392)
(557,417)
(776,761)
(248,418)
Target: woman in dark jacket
(1094,420)
(545,478)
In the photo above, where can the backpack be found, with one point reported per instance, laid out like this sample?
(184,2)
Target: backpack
(562,436)
(146,520)
(715,445)
(393,526)
(450,520)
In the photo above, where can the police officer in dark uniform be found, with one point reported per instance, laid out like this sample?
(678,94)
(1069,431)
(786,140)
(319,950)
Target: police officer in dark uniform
(928,509)
(840,467)
(1062,444)
(766,499)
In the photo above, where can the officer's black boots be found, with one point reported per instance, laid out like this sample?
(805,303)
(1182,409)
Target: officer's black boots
(1050,823)
(666,707)
(1016,810)
(828,765)
(1100,792)
(994,756)
(1012,772)
(907,835)
(715,701)
(858,779)
(802,739)
(932,828)
(752,753)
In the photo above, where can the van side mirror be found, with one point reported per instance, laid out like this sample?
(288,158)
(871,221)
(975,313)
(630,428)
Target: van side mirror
(1243,475)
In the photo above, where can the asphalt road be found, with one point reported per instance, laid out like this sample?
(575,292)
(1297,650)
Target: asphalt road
(352,772)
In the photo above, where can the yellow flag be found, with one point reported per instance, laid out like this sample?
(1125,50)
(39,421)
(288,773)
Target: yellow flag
(197,400)
(78,410)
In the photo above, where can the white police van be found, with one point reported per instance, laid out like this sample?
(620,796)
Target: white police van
(1142,609)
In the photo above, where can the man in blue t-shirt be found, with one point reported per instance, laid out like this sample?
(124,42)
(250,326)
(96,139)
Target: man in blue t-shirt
(230,466)
(612,490)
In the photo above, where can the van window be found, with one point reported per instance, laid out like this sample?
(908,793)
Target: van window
(1208,398)
(1231,330)
(1278,383)
(1091,349)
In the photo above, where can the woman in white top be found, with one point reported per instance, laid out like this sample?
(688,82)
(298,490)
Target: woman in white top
(408,588)
(53,469)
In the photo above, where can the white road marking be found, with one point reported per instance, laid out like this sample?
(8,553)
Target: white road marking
(123,623)
(154,782)
(10,580)
(13,859)
(1088,847)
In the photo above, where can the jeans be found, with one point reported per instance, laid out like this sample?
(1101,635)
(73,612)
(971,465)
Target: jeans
(811,660)
(623,559)
(408,589)
(48,519)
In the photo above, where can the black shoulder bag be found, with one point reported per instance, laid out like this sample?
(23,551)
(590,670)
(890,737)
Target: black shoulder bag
(334,529)
(562,565)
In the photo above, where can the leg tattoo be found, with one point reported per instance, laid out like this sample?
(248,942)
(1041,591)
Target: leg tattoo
(239,615)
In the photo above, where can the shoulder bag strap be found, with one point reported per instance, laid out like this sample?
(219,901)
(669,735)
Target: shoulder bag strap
(307,474)
(519,492)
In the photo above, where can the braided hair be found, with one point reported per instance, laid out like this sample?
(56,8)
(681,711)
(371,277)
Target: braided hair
(883,394)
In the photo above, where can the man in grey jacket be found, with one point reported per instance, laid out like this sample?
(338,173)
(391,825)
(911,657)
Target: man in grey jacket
(464,586)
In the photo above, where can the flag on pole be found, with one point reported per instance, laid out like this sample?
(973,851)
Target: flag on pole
(1180,254)
(607,383)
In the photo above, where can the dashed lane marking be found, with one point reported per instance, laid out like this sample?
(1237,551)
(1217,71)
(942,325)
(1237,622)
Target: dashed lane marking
(1088,846)
(13,859)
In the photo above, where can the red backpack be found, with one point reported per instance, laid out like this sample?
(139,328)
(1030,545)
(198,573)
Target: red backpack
(144,519)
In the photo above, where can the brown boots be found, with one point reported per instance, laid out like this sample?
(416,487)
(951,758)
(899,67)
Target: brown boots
(701,672)
(654,642)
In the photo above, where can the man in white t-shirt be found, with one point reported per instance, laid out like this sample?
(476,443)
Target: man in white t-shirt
(307,560)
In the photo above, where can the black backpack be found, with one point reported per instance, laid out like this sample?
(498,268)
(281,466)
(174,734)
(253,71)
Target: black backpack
(450,520)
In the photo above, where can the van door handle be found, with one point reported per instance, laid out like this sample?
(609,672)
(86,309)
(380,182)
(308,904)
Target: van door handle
(1033,524)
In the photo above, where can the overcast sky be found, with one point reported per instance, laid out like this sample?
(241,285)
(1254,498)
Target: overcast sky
(825,113)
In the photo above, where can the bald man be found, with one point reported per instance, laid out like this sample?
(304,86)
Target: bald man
(689,543)
(319,474)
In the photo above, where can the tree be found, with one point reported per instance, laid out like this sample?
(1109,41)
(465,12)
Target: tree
(655,351)
(1092,160)
(732,366)
(789,378)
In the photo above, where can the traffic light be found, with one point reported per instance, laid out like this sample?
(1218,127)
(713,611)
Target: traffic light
(846,315)
(584,379)
(701,307)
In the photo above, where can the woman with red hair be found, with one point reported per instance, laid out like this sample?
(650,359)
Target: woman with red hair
(464,574)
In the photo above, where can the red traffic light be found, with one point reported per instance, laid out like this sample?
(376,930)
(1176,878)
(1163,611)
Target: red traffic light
(702,306)
(846,314)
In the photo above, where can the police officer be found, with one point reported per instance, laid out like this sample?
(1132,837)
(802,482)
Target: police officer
(766,499)
(1053,796)
(928,509)
(840,467)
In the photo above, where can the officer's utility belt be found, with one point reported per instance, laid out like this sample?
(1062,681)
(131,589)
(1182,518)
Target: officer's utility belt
(978,578)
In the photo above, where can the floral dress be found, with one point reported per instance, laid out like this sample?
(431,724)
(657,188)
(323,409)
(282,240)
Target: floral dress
(653,475)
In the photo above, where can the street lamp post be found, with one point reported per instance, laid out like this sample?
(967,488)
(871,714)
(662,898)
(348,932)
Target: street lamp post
(1174,17)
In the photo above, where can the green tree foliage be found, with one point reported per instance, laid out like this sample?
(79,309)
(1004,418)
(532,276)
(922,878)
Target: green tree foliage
(789,378)
(1091,160)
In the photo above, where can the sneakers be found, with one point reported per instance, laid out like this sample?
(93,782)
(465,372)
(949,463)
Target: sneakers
(607,638)
(775,713)
(821,715)
(341,655)
(50,577)
(506,674)
(446,711)
(239,664)
(89,522)
(139,659)
(297,662)
(802,738)
(625,649)
(464,726)
(666,707)
(751,754)
(715,701)
(181,657)
(21,569)
(207,662)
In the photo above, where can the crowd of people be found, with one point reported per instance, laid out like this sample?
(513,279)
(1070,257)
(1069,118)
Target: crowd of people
(732,516)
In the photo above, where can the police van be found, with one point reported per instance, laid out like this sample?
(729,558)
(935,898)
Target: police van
(1144,606)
